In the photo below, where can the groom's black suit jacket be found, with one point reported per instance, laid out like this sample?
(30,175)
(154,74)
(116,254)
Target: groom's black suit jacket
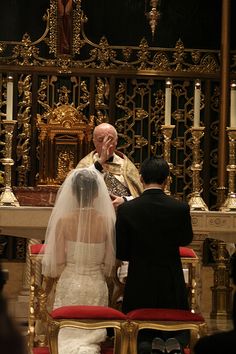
(149,230)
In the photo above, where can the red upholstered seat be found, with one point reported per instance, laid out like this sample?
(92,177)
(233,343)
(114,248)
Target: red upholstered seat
(37,248)
(87,312)
(150,314)
(40,350)
(90,317)
(186,252)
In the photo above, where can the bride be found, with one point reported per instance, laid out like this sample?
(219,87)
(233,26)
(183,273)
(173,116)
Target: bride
(80,250)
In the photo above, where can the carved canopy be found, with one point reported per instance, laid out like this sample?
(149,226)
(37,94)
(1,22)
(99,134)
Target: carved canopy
(65,136)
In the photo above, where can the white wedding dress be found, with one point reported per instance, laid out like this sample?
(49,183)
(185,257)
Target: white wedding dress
(87,286)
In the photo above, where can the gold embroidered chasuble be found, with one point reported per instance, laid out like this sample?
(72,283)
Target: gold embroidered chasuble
(126,181)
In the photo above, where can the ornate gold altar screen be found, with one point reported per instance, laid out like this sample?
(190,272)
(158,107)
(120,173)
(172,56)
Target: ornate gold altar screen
(63,86)
(122,84)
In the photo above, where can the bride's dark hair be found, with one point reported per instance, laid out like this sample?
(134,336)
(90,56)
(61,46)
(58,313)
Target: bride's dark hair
(85,183)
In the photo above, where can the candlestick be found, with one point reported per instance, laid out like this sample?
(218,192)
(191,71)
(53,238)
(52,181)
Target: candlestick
(230,202)
(197,100)
(167,131)
(168,102)
(9,115)
(7,198)
(196,202)
(233,105)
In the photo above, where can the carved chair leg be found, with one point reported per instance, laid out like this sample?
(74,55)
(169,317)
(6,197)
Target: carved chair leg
(53,331)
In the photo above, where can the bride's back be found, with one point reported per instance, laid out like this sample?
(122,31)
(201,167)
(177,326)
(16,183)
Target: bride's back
(91,231)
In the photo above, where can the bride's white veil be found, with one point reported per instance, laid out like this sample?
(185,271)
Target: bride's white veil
(84,214)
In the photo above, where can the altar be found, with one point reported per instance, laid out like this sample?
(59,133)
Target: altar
(31,222)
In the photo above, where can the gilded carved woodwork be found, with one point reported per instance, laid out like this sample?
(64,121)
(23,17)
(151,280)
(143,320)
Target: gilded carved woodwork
(105,99)
(62,133)
(102,55)
(134,105)
(24,115)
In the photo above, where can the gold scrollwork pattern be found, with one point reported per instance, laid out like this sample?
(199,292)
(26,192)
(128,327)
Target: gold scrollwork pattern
(103,55)
(24,128)
(120,84)
(140,114)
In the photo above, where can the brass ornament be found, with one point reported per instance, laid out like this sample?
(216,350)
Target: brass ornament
(196,202)
(7,197)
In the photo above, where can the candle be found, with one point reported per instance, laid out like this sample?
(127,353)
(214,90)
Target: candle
(168,102)
(233,105)
(197,101)
(9,98)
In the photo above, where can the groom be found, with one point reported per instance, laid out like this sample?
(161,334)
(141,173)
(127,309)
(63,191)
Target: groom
(149,231)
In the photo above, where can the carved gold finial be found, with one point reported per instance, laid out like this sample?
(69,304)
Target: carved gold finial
(153,16)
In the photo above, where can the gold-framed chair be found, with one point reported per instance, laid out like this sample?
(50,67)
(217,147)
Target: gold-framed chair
(190,263)
(83,317)
(126,327)
(165,320)
(88,317)
(35,281)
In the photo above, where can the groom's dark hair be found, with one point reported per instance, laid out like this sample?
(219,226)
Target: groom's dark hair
(154,170)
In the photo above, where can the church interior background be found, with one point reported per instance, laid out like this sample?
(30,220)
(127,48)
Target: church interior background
(163,72)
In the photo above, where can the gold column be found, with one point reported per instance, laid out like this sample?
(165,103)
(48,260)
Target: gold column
(224,104)
(221,290)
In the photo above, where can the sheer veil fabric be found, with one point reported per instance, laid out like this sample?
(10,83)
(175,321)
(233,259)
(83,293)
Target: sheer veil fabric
(84,214)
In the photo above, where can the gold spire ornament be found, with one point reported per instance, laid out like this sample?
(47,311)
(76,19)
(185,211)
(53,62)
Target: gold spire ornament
(153,16)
